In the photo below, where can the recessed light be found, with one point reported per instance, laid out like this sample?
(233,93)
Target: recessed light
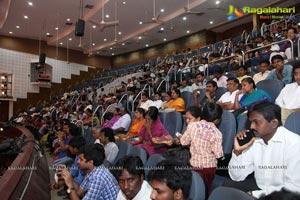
(120,33)
(10,32)
(70,39)
(217,2)
(104,39)
(17,26)
(68,19)
(30,3)
(184,18)
(187,31)
(140,22)
(162,28)
(124,2)
(94,26)
(93,44)
(25,16)
(61,43)
(211,22)
(147,45)
(107,16)
(56,28)
(162,10)
(47,33)
(110,48)
(140,37)
(112,54)
(123,44)
(165,39)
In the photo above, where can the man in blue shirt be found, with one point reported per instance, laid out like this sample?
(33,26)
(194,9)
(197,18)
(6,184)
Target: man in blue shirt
(99,183)
(281,71)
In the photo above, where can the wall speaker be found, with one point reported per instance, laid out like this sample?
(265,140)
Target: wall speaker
(42,58)
(79,29)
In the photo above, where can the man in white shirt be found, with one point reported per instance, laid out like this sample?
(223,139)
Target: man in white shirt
(200,83)
(130,175)
(220,79)
(157,100)
(145,102)
(123,123)
(106,137)
(289,97)
(273,154)
(226,101)
(264,72)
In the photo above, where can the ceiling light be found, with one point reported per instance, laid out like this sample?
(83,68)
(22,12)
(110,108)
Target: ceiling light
(140,22)
(68,19)
(162,28)
(147,45)
(61,43)
(184,18)
(47,33)
(187,31)
(25,16)
(93,44)
(56,28)
(110,48)
(217,2)
(30,3)
(165,39)
(10,32)
(17,26)
(107,15)
(123,44)
(112,54)
(70,39)
(140,37)
(124,2)
(94,26)
(211,22)
(104,39)
(120,33)
(162,10)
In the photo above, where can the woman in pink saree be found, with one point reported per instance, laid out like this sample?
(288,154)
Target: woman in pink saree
(153,136)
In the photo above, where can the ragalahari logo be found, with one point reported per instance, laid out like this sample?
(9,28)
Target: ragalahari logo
(233,13)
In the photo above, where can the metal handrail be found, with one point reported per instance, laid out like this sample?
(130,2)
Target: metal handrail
(75,102)
(262,29)
(94,113)
(161,82)
(139,94)
(108,107)
(123,96)
(281,41)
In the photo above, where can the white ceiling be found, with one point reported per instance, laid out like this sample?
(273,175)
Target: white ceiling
(45,15)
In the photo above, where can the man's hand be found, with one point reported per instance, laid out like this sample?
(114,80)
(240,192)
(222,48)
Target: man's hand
(239,149)
(67,176)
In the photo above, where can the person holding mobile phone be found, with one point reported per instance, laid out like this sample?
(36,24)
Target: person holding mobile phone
(273,155)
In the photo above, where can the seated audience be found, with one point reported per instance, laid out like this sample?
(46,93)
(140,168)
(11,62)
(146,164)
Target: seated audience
(123,123)
(178,103)
(264,72)
(205,141)
(273,154)
(157,100)
(220,79)
(242,73)
(289,97)
(281,195)
(111,118)
(99,183)
(184,86)
(145,102)
(131,177)
(168,100)
(171,183)
(281,71)
(210,93)
(105,137)
(192,114)
(153,133)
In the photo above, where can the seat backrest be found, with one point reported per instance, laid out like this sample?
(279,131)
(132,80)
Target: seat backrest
(173,122)
(227,193)
(124,149)
(152,162)
(197,191)
(271,86)
(188,98)
(228,129)
(220,91)
(243,123)
(293,122)
(140,152)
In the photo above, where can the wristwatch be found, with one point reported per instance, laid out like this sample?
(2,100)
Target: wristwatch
(69,190)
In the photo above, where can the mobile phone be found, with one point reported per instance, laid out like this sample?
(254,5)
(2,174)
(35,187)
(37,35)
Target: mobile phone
(246,139)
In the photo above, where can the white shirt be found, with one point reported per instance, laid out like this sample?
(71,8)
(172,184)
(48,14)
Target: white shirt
(145,105)
(289,97)
(124,121)
(143,194)
(222,81)
(259,76)
(275,165)
(111,150)
(197,86)
(229,97)
(157,103)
